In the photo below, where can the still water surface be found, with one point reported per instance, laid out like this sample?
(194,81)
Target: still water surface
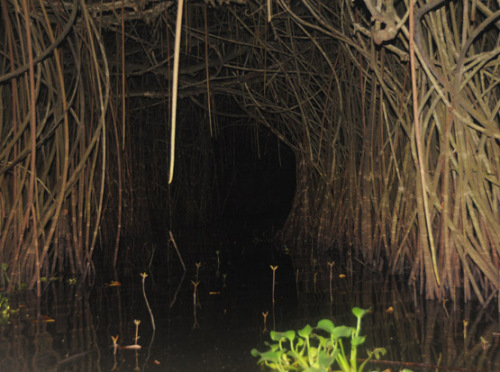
(71,329)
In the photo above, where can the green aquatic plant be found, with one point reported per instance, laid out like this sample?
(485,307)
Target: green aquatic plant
(317,349)
(5,310)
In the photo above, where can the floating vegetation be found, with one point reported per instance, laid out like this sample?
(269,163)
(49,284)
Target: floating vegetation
(5,310)
(317,349)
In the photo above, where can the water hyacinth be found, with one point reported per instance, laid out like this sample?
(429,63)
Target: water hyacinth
(318,348)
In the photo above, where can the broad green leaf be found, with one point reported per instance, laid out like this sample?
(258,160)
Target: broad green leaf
(298,357)
(359,313)
(273,347)
(326,325)
(290,335)
(315,356)
(325,360)
(315,369)
(356,341)
(313,352)
(277,336)
(306,331)
(342,331)
(335,353)
(268,356)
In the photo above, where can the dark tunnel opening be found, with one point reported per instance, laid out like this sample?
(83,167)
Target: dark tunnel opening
(257,182)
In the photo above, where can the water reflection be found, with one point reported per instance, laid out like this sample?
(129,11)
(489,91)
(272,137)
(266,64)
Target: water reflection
(423,334)
(51,334)
(214,324)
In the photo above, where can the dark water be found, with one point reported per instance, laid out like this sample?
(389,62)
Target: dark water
(70,329)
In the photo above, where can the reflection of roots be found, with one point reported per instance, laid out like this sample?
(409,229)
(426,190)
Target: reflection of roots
(74,357)
(46,361)
(46,358)
(10,364)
